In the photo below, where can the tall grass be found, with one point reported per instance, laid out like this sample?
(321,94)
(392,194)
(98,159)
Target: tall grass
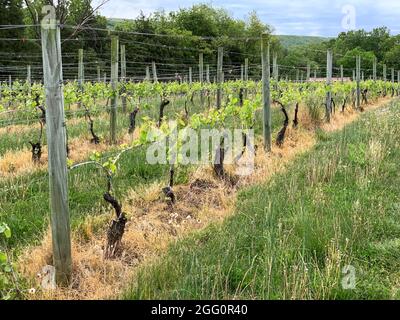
(337,205)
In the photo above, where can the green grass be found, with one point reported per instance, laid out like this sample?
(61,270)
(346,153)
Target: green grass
(337,205)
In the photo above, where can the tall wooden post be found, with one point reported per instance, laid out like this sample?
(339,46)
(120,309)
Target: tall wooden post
(219,75)
(308,71)
(114,87)
(98,74)
(266,92)
(123,77)
(201,77)
(56,142)
(358,68)
(190,75)
(328,82)
(80,75)
(147,73)
(154,68)
(341,74)
(384,73)
(208,73)
(392,75)
(28,78)
(246,74)
(105,77)
(241,72)
(374,68)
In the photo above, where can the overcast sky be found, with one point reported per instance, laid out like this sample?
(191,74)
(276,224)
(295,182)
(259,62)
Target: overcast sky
(295,17)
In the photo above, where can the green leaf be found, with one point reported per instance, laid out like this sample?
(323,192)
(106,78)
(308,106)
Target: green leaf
(3,257)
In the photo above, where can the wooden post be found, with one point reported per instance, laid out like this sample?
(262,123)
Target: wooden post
(246,69)
(98,74)
(190,75)
(328,82)
(80,75)
(392,75)
(147,73)
(297,75)
(341,74)
(114,87)
(9,82)
(201,77)
(219,75)
(155,79)
(354,75)
(208,73)
(266,92)
(105,77)
(241,72)
(56,142)
(374,69)
(308,71)
(246,75)
(358,67)
(315,73)
(384,73)
(201,68)
(28,78)
(123,77)
(80,69)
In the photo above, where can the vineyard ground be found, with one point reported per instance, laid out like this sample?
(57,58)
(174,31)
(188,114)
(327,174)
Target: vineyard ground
(336,205)
(153,226)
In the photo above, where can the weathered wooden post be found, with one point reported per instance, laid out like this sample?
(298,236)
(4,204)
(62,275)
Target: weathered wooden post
(358,67)
(56,142)
(98,74)
(328,82)
(147,73)
(241,72)
(190,75)
(154,68)
(308,71)
(219,75)
(105,77)
(275,69)
(246,75)
(208,73)
(28,78)
(114,87)
(266,92)
(80,75)
(374,63)
(341,74)
(201,77)
(123,77)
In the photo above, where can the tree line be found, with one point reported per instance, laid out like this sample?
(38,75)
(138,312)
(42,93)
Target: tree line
(174,39)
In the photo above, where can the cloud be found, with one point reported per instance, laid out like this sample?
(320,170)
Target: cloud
(298,17)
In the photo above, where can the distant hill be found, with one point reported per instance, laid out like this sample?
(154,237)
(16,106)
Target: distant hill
(287,41)
(291,41)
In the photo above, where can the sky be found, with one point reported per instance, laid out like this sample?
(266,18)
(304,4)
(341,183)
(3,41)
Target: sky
(290,17)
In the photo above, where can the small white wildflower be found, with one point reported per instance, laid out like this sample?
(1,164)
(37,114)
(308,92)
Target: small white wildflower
(32,291)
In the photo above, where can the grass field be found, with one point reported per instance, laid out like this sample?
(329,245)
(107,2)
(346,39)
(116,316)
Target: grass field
(290,238)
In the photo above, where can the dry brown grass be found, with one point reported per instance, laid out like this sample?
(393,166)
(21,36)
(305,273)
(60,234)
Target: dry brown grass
(154,224)
(17,163)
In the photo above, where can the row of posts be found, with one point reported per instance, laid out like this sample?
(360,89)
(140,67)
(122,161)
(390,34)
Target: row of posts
(56,131)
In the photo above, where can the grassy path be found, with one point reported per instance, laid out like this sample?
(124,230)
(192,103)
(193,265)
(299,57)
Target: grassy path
(336,205)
